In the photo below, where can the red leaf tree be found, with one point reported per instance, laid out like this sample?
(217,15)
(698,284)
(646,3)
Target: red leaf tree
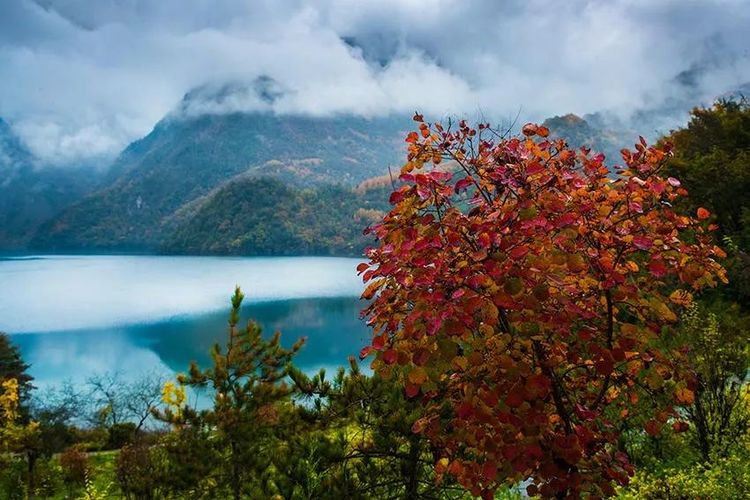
(525,294)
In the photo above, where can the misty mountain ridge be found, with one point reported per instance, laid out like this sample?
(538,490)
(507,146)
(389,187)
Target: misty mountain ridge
(30,193)
(202,150)
(187,156)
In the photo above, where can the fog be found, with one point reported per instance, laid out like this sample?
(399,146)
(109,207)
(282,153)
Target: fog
(66,293)
(83,78)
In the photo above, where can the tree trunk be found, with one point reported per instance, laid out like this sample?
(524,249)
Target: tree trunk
(412,484)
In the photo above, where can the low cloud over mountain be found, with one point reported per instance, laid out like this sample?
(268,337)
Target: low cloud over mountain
(82,78)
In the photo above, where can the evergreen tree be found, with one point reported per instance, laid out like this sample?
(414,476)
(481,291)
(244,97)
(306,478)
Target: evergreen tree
(12,366)
(711,158)
(371,449)
(232,442)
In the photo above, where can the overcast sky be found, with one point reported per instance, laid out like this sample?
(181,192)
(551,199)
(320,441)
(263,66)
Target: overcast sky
(82,78)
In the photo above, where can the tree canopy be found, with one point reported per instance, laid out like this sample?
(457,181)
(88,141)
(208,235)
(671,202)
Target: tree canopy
(12,366)
(520,292)
(712,159)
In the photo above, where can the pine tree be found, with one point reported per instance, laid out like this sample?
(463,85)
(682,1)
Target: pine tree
(12,366)
(249,394)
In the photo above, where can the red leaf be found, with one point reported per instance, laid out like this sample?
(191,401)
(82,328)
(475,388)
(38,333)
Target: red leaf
(642,242)
(366,351)
(653,427)
(421,357)
(413,137)
(534,168)
(390,356)
(657,268)
(519,252)
(464,410)
(489,471)
(514,399)
(680,426)
(411,390)
(438,176)
(530,129)
(657,187)
(396,197)
(703,214)
(463,184)
(378,342)
(604,366)
(565,220)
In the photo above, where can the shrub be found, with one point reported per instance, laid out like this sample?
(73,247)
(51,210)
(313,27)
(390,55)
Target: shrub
(727,478)
(12,478)
(120,435)
(75,465)
(48,478)
(138,469)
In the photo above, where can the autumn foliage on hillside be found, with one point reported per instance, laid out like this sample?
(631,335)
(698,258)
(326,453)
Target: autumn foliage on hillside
(527,299)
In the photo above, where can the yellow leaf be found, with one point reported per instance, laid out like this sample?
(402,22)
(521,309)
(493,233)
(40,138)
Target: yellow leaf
(628,329)
(632,266)
(461,362)
(662,310)
(681,298)
(418,376)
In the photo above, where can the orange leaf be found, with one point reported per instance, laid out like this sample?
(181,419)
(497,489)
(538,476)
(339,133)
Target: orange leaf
(418,376)
(684,396)
(653,428)
(371,289)
(681,297)
(530,129)
(703,214)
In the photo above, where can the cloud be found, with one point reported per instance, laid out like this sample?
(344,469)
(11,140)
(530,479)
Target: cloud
(82,78)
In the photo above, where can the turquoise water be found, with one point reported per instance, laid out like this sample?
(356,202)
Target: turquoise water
(77,316)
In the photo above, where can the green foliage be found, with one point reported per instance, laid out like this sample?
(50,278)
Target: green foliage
(13,475)
(246,383)
(120,434)
(30,195)
(186,157)
(720,355)
(726,479)
(370,449)
(589,132)
(13,367)
(262,216)
(711,160)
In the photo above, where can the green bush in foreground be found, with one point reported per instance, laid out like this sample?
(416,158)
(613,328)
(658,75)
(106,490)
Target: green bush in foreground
(726,479)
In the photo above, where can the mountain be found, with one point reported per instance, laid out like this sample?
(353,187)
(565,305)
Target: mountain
(188,156)
(31,194)
(215,178)
(265,216)
(594,132)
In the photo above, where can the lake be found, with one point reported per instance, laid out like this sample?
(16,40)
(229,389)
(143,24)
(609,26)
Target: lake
(76,316)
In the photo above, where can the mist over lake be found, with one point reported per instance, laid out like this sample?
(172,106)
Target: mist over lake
(74,316)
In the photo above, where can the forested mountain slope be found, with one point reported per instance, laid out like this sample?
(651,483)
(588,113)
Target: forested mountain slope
(185,158)
(31,194)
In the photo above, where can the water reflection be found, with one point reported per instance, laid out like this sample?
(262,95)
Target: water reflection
(331,325)
(56,293)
